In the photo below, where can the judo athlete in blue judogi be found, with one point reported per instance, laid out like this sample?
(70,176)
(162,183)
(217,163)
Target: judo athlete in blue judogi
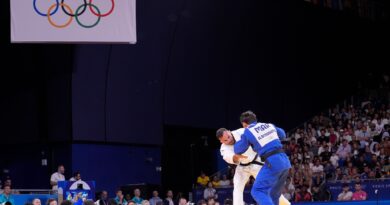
(265,140)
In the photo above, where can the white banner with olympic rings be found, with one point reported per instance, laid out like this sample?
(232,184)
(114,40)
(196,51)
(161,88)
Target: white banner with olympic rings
(73,21)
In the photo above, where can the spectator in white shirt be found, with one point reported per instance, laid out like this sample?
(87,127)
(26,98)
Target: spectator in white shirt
(324,147)
(344,150)
(36,201)
(155,198)
(363,136)
(346,195)
(285,193)
(334,159)
(346,135)
(57,176)
(182,201)
(225,181)
(169,199)
(317,167)
(76,176)
(210,192)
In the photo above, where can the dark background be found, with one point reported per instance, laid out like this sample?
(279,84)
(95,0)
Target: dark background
(197,65)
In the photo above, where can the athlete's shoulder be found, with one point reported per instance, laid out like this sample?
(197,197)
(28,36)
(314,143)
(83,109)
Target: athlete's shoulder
(238,133)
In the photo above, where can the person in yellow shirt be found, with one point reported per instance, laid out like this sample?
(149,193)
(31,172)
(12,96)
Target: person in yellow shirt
(216,182)
(202,179)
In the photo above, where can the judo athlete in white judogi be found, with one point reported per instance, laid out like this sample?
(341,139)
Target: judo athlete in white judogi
(248,164)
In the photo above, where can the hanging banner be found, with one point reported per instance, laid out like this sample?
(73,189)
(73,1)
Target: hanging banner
(73,21)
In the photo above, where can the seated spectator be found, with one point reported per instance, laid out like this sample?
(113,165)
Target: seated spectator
(112,202)
(317,180)
(169,199)
(130,202)
(228,202)
(374,161)
(7,196)
(36,201)
(52,202)
(224,182)
(326,154)
(297,195)
(324,146)
(338,175)
(178,197)
(8,182)
(128,198)
(76,176)
(320,193)
(216,182)
(345,195)
(155,198)
(346,136)
(137,197)
(290,186)
(375,148)
(317,167)
(182,201)
(66,202)
(103,198)
(210,192)
(366,173)
(322,138)
(329,170)
(334,159)
(306,196)
(145,202)
(231,172)
(119,198)
(211,201)
(385,133)
(348,169)
(202,179)
(88,202)
(354,173)
(333,136)
(344,150)
(361,163)
(359,194)
(201,202)
(286,194)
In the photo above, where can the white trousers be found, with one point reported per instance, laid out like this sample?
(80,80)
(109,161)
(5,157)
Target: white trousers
(241,177)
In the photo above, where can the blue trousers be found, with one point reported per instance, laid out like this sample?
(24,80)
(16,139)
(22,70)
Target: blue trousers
(269,182)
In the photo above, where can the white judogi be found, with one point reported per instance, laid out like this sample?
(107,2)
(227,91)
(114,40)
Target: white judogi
(242,174)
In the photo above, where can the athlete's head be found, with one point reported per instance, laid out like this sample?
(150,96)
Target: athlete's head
(247,118)
(225,136)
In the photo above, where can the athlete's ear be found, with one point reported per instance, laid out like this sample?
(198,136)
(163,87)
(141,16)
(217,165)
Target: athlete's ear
(244,124)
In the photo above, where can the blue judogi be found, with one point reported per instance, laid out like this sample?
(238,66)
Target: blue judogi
(265,139)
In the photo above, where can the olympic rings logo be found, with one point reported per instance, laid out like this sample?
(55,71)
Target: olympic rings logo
(53,9)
